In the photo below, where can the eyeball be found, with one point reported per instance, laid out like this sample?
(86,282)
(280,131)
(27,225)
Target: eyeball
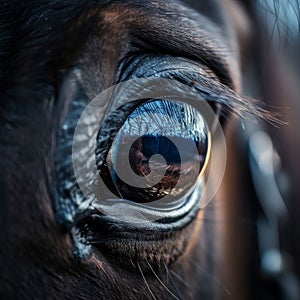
(160,152)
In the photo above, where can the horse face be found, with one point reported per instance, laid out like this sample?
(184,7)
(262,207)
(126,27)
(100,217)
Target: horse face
(55,54)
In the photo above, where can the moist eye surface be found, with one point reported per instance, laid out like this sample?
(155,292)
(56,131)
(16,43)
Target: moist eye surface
(160,150)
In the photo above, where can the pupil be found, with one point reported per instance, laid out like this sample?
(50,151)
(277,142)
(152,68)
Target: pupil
(147,146)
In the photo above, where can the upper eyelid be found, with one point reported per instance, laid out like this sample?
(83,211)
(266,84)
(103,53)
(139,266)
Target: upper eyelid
(212,56)
(196,75)
(212,90)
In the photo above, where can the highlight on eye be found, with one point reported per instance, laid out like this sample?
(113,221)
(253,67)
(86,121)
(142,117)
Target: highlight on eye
(160,150)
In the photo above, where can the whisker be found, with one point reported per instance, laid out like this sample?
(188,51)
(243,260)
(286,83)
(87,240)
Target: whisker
(160,281)
(179,278)
(172,280)
(145,280)
(207,274)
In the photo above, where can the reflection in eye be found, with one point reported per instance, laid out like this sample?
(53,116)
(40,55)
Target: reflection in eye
(161,150)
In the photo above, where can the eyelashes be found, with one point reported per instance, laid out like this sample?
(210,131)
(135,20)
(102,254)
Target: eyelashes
(199,78)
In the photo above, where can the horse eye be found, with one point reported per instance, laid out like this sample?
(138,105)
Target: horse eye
(159,154)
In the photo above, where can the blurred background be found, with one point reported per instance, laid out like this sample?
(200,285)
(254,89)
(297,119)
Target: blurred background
(265,243)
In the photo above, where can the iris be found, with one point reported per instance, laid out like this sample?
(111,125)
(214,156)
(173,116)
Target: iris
(160,150)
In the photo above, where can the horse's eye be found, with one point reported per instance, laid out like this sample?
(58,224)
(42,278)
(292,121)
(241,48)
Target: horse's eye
(159,154)
(139,151)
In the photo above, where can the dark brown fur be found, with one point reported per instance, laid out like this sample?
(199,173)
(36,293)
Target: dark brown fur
(40,41)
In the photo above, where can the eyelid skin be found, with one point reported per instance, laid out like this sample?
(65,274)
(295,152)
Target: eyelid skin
(205,43)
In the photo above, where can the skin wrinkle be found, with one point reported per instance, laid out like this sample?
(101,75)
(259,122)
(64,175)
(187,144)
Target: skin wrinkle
(205,42)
